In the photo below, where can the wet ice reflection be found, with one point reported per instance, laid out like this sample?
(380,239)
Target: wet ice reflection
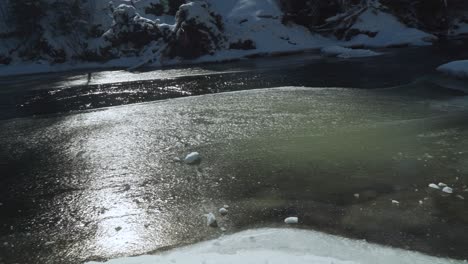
(117,189)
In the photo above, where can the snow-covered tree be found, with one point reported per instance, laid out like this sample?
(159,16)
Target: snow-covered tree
(26,16)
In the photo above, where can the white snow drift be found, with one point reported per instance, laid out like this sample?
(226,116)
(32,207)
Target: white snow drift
(279,246)
(457,69)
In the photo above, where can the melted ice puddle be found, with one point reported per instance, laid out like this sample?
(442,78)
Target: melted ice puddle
(278,246)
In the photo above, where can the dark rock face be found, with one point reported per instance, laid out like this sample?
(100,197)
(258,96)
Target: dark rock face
(198,31)
(130,30)
(5,59)
(247,44)
(435,16)
(430,15)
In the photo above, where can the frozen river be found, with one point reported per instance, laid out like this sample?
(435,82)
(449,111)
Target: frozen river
(89,169)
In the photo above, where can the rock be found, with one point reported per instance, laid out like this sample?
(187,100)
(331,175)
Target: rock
(434,186)
(291,220)
(447,190)
(223,229)
(223,211)
(118,228)
(395,202)
(211,220)
(192,158)
(356,195)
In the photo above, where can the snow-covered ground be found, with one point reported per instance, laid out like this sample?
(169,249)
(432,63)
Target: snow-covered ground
(457,69)
(256,21)
(279,246)
(391,32)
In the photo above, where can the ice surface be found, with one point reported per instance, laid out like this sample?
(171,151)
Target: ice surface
(279,246)
(342,52)
(455,68)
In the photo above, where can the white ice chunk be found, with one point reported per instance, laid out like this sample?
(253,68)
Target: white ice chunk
(211,220)
(447,190)
(395,202)
(192,158)
(442,185)
(434,186)
(223,211)
(291,220)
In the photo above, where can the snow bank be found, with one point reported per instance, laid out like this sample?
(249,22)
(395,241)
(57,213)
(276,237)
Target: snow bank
(260,21)
(388,31)
(279,246)
(342,52)
(242,29)
(457,69)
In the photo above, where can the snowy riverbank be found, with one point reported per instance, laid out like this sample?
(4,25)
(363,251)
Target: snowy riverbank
(285,246)
(236,28)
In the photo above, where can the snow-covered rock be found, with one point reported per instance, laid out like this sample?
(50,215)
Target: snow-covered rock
(291,220)
(457,69)
(341,52)
(192,158)
(198,31)
(279,246)
(130,31)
